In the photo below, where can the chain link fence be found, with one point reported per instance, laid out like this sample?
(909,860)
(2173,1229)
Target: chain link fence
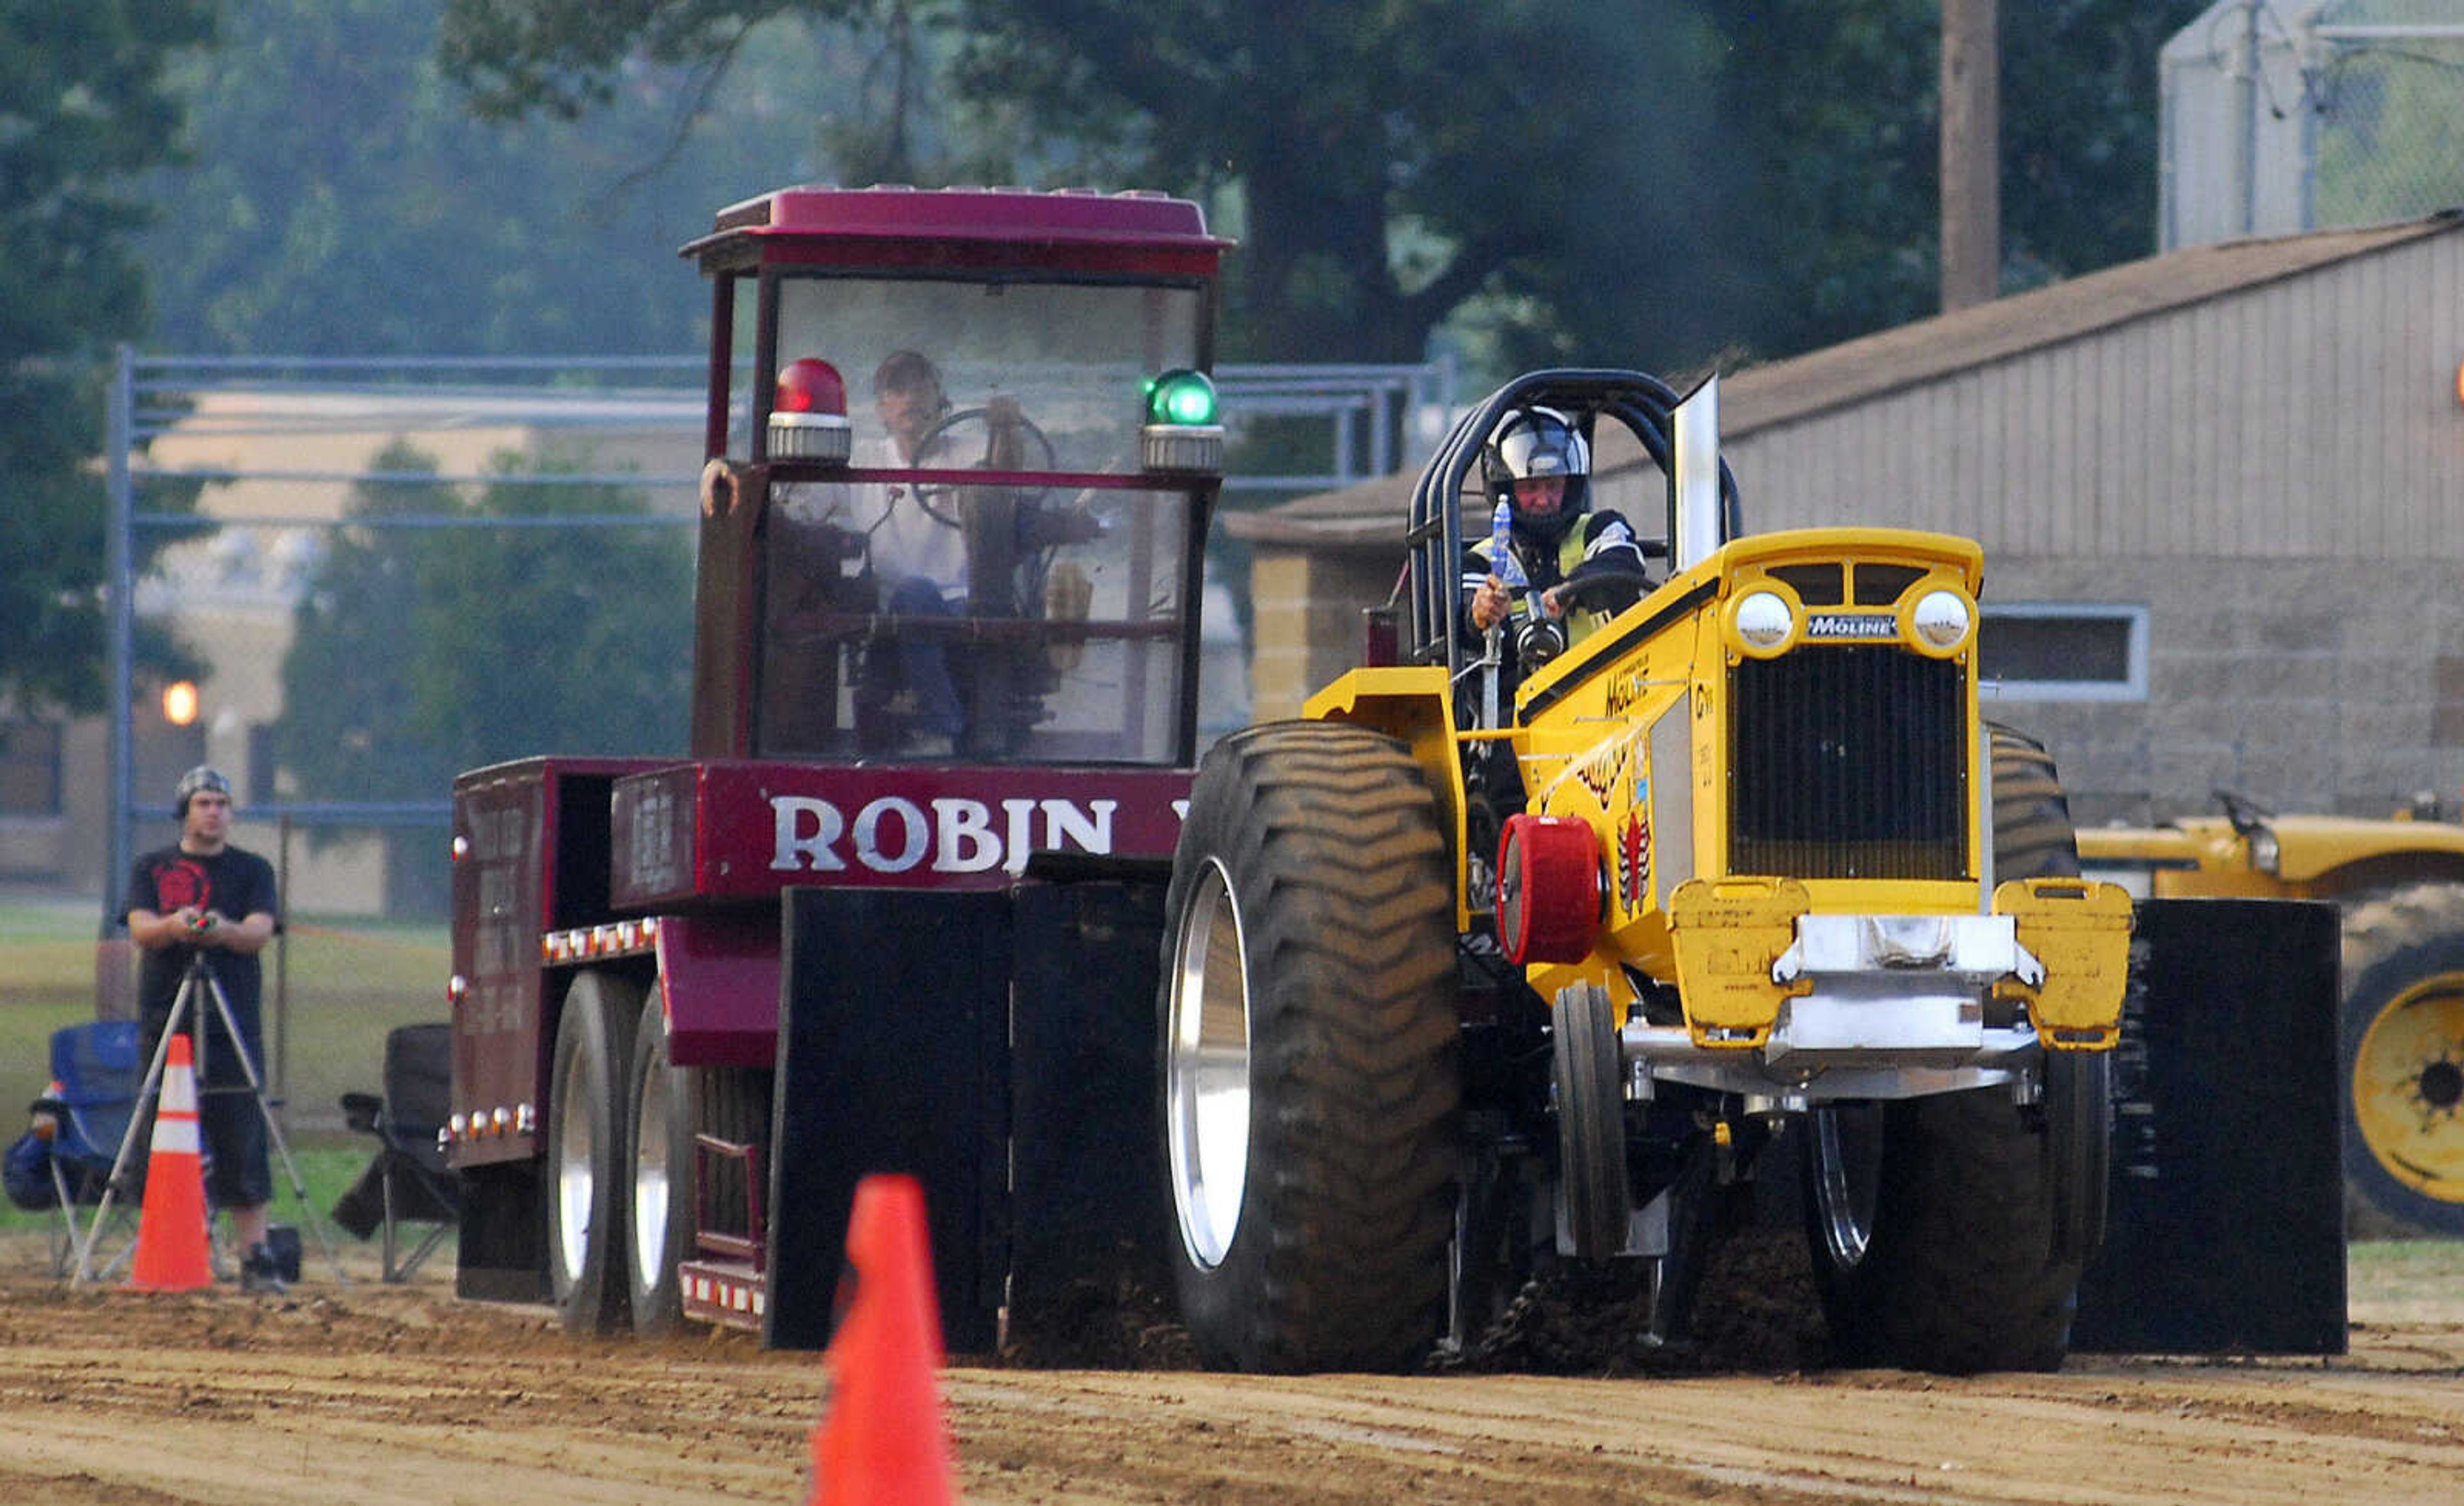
(2281,118)
(398,569)
(342,581)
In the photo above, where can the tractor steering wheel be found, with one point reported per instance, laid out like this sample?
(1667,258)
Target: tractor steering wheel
(940,443)
(1602,582)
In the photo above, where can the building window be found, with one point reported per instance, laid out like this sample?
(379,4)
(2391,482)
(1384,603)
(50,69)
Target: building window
(2044,651)
(29,769)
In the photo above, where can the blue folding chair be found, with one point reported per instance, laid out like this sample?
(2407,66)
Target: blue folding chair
(99,1069)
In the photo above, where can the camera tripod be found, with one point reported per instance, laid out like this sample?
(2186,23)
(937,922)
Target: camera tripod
(197,987)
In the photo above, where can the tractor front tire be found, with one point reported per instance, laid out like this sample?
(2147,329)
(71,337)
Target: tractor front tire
(1590,1073)
(2402,1037)
(1950,1232)
(1308,1055)
(589,1171)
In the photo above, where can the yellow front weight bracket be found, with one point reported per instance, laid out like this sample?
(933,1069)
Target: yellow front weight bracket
(2080,930)
(1728,932)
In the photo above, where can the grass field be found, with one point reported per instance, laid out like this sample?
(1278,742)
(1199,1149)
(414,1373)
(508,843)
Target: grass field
(333,988)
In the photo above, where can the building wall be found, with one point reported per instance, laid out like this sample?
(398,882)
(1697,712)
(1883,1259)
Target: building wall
(1308,624)
(2312,417)
(2318,685)
(2276,474)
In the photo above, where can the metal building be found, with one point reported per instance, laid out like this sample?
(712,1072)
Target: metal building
(2220,492)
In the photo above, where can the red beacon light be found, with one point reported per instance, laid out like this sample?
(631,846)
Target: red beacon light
(808,413)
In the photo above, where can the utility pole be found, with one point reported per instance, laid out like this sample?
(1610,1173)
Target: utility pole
(1971,163)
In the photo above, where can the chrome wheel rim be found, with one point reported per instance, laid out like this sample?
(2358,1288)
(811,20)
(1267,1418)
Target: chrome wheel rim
(575,1184)
(1847,1145)
(650,1176)
(1207,1075)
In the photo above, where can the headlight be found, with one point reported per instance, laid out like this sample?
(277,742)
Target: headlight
(1764,620)
(1942,619)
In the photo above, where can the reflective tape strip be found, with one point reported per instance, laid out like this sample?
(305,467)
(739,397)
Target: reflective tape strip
(175,1135)
(179,1094)
(589,943)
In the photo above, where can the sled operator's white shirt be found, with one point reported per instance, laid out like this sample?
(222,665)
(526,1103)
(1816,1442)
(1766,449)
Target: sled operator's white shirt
(906,540)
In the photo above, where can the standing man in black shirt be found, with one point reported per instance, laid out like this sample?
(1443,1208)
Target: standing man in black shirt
(205,897)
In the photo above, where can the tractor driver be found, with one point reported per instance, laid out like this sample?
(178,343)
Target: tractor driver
(1539,465)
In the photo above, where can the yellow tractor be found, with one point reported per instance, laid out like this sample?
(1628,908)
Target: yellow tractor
(1514,954)
(2399,884)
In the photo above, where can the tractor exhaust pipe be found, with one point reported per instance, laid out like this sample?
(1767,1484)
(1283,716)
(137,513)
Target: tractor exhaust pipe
(1694,476)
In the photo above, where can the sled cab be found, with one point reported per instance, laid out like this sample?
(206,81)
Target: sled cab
(961,448)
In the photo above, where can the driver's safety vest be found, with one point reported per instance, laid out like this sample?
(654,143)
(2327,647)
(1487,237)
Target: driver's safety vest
(1579,622)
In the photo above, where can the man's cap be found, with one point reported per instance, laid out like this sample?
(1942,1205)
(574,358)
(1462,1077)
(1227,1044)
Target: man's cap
(200,778)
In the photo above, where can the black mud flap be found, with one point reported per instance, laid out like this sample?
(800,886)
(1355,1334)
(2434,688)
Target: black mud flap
(2226,1232)
(1089,1210)
(996,1046)
(503,1253)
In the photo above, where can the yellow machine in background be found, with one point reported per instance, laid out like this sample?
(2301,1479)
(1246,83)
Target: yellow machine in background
(2399,883)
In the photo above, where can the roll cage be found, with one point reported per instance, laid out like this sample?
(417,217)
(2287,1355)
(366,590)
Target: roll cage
(1648,408)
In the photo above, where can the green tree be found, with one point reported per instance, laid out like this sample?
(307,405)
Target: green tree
(562,638)
(1387,163)
(347,729)
(1645,183)
(1381,164)
(1833,106)
(439,644)
(83,112)
(344,200)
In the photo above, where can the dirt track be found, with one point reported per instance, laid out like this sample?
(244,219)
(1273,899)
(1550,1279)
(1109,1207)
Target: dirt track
(374,1395)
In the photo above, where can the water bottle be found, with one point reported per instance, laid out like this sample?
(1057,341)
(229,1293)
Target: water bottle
(1501,561)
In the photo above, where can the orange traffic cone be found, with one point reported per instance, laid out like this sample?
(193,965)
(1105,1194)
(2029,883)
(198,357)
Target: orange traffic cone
(882,1443)
(172,1254)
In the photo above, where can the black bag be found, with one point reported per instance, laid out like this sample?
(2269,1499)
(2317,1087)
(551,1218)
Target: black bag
(284,1241)
(27,1174)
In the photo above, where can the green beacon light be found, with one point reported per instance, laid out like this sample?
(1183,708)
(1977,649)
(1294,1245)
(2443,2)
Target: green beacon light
(1181,397)
(1181,431)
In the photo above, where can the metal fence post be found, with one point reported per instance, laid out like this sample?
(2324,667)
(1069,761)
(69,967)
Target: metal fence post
(120,581)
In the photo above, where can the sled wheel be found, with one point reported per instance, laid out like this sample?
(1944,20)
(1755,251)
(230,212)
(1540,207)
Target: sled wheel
(1591,1121)
(586,1154)
(2403,1030)
(1950,1232)
(661,1184)
(671,1104)
(1307,1065)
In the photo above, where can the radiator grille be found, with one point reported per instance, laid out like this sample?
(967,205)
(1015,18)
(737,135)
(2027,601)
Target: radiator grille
(1849,762)
(1815,585)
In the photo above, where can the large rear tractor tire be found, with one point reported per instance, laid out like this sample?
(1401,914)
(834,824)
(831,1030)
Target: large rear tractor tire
(588,1169)
(2403,1036)
(1307,1054)
(1950,1232)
